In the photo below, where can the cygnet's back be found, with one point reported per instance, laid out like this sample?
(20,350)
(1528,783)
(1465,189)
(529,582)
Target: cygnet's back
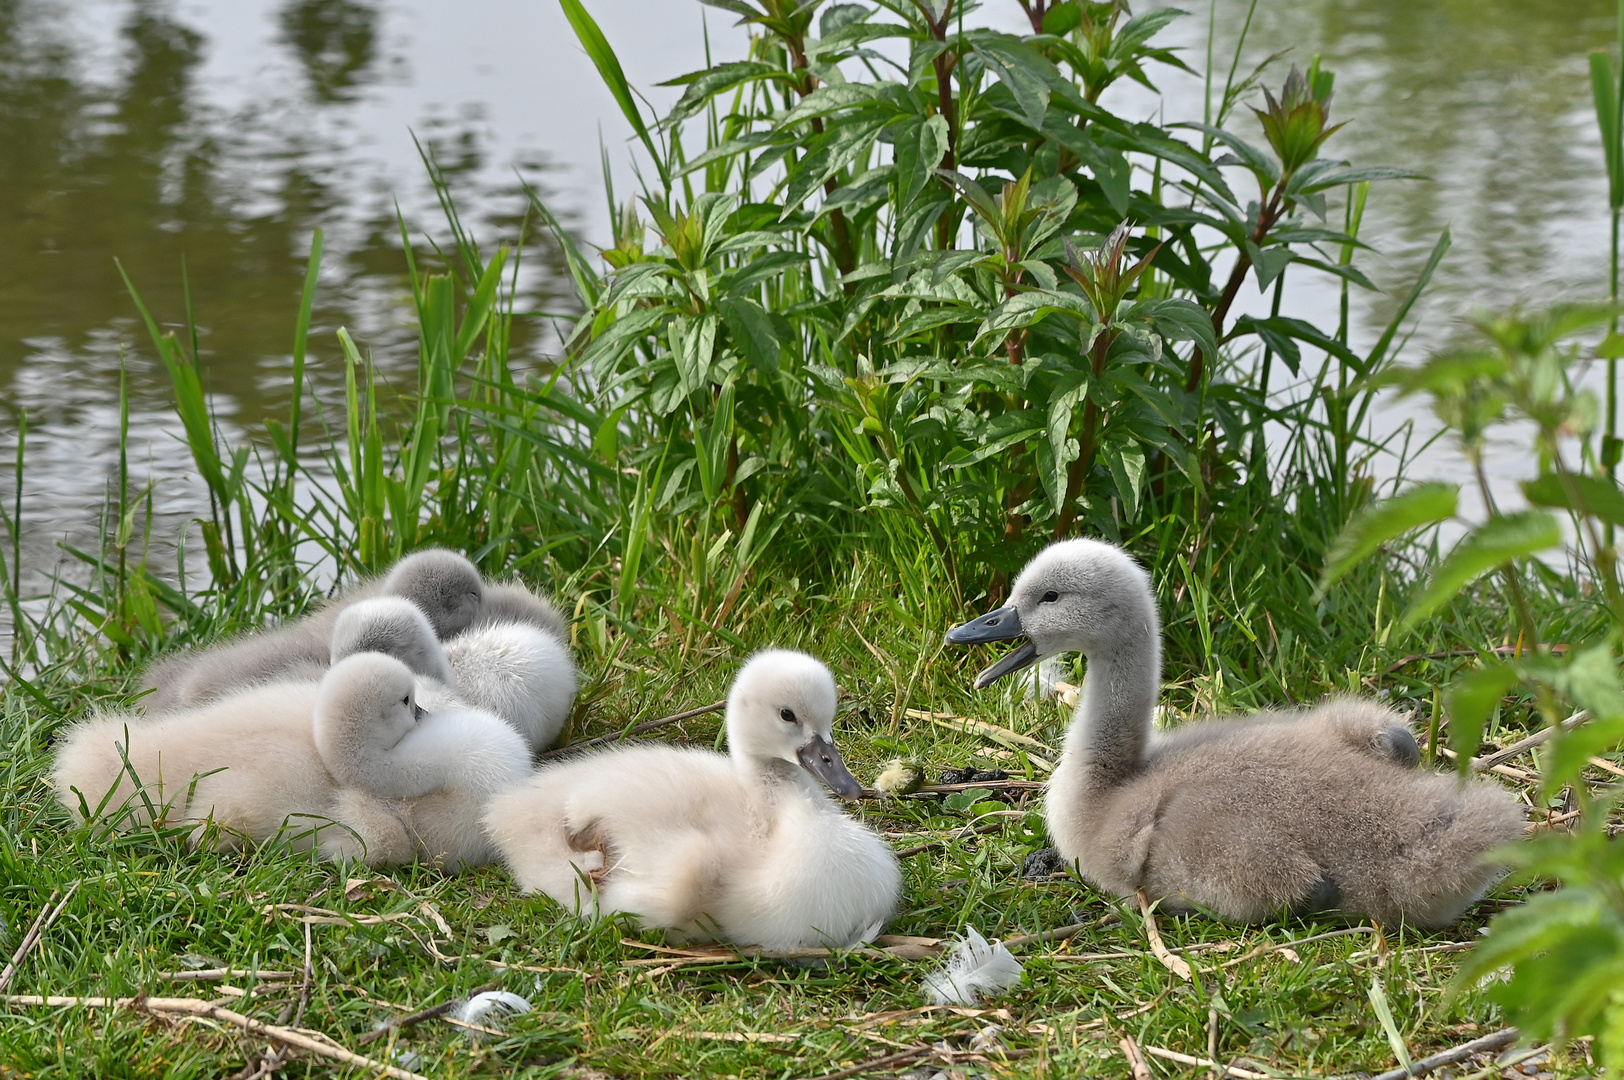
(247,763)
(521,673)
(512,602)
(444,585)
(1253,818)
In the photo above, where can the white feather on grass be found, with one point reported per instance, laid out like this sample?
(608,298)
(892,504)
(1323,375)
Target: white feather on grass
(491,1005)
(972,966)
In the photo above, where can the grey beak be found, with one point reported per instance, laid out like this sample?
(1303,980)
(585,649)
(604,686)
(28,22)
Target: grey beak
(820,758)
(417,712)
(1002,624)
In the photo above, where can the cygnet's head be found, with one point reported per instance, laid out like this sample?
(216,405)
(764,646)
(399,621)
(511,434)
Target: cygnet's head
(782,707)
(1074,596)
(444,584)
(392,625)
(366,704)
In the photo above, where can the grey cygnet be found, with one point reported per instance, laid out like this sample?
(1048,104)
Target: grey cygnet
(443,584)
(1248,819)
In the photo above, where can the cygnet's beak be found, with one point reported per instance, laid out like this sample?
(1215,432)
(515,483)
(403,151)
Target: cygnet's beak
(418,712)
(1002,624)
(820,758)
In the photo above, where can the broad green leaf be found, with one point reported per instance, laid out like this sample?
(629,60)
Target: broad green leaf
(1592,495)
(1128,470)
(1025,71)
(1024,309)
(751,331)
(1498,541)
(1419,506)
(1063,18)
(998,434)
(1470,699)
(828,154)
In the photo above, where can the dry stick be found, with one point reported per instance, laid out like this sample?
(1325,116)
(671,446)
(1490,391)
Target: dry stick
(638,730)
(1487,1044)
(1489,761)
(1059,933)
(47,916)
(979,830)
(885,1062)
(218,974)
(196,1007)
(432,1012)
(1177,965)
(1136,1060)
(1205,1063)
(1273,947)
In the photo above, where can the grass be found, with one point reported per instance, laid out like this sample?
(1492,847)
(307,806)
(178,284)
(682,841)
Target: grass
(410,938)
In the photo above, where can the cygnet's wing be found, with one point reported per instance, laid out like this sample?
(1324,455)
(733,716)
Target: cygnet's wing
(522,674)
(188,680)
(512,602)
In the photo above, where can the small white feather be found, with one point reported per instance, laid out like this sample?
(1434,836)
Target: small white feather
(492,1004)
(973,966)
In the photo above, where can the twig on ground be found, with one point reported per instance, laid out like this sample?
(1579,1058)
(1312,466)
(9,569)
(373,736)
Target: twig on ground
(1485,1045)
(219,974)
(903,948)
(886,1061)
(1218,1067)
(1273,947)
(959,834)
(1136,1059)
(42,923)
(1177,965)
(638,730)
(1487,762)
(323,1047)
(1059,933)
(430,1013)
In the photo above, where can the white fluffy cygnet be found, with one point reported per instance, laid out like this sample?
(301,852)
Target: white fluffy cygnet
(746,848)
(430,772)
(247,764)
(518,671)
(514,669)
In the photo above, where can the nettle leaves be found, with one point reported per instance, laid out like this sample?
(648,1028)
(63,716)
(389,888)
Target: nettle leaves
(991,297)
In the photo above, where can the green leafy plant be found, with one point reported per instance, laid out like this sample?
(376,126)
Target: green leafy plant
(1565,948)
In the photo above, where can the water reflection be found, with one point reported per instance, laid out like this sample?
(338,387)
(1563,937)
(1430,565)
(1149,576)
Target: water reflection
(219,136)
(122,144)
(336,39)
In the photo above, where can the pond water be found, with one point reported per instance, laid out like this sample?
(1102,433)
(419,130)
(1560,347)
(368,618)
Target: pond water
(217,136)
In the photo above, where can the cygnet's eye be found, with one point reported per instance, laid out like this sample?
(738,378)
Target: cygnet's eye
(407,700)
(1050,597)
(787,715)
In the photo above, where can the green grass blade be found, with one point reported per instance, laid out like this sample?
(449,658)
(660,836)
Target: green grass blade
(608,65)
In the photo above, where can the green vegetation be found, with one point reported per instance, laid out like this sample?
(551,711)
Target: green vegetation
(901,302)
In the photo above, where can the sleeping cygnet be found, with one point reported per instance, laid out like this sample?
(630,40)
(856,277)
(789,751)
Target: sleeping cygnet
(431,773)
(513,669)
(443,584)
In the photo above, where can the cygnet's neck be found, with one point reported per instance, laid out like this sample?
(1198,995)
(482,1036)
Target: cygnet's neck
(1111,726)
(771,775)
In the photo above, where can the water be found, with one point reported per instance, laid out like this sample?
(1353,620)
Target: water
(220,135)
